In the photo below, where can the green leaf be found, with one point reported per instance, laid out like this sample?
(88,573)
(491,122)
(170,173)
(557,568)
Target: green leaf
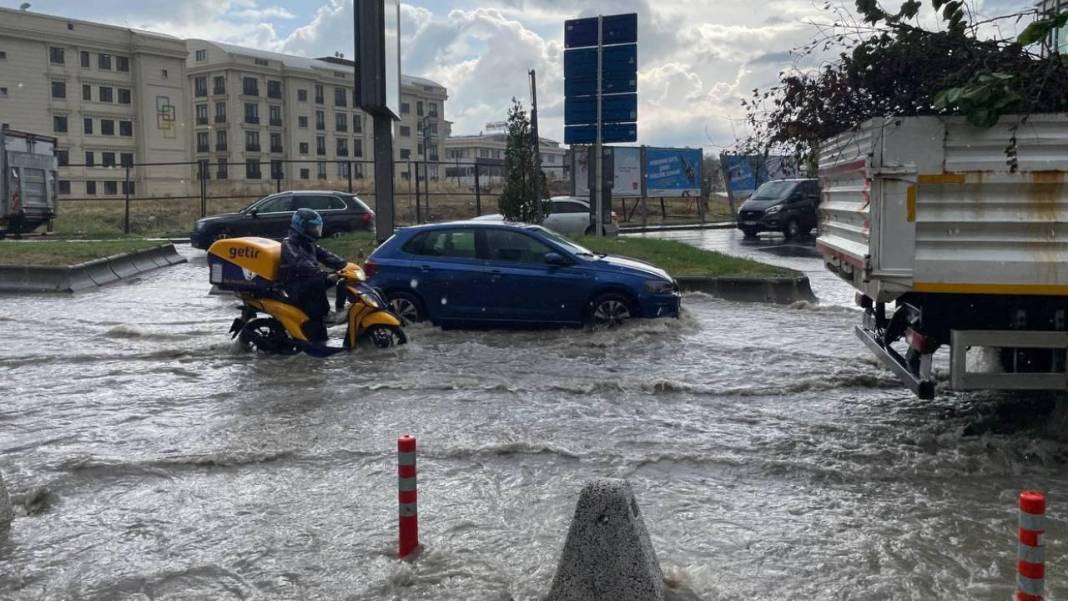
(1039,30)
(954,96)
(938,3)
(982,117)
(950,8)
(941,100)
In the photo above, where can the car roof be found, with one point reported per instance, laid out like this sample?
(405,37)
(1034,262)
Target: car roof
(468,223)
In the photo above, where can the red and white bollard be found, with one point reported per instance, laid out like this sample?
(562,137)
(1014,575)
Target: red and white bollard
(406,496)
(1031,558)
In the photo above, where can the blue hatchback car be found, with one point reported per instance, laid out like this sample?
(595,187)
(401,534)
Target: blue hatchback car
(511,274)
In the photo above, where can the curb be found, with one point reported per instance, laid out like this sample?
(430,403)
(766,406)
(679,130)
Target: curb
(646,229)
(91,274)
(780,291)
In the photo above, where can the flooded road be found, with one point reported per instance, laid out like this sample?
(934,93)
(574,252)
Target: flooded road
(771,457)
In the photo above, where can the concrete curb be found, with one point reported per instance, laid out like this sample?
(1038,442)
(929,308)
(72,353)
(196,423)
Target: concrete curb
(780,291)
(91,274)
(6,513)
(679,227)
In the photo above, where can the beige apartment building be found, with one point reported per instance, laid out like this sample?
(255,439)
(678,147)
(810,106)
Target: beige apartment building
(110,95)
(487,150)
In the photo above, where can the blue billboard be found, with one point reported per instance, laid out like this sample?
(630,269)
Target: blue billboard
(673,171)
(744,173)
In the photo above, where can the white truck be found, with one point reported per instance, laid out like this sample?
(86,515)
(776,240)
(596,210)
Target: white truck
(27,181)
(965,234)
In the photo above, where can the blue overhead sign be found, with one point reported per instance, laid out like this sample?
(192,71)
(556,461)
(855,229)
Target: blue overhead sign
(615,29)
(610,133)
(617,53)
(614,59)
(616,108)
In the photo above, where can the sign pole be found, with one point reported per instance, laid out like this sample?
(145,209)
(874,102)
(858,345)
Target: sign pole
(599,197)
(537,145)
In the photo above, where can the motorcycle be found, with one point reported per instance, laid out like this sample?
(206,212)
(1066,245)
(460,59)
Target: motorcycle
(249,267)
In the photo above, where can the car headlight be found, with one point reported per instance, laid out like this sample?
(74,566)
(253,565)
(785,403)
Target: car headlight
(659,287)
(200,225)
(773,210)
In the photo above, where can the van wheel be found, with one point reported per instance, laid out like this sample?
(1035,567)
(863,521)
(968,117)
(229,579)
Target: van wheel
(792,229)
(610,310)
(406,306)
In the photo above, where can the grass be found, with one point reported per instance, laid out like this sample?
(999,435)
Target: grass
(355,247)
(680,259)
(62,252)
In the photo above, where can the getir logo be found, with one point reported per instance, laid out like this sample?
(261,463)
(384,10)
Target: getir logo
(250,253)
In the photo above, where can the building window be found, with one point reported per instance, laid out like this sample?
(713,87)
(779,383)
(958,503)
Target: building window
(319,94)
(406,108)
(64,186)
(59,89)
(303,148)
(320,145)
(252,141)
(220,169)
(107,94)
(433,109)
(305,174)
(89,162)
(90,188)
(55,56)
(203,144)
(342,147)
(220,112)
(262,62)
(87,125)
(341,122)
(103,62)
(126,159)
(219,85)
(220,140)
(406,153)
(85,59)
(163,73)
(111,188)
(320,120)
(274,89)
(419,149)
(107,159)
(357,124)
(276,170)
(275,113)
(302,95)
(405,131)
(62,158)
(107,127)
(357,148)
(250,86)
(419,108)
(126,128)
(128,187)
(202,114)
(200,87)
(122,63)
(321,168)
(125,97)
(302,121)
(201,56)
(340,98)
(3,55)
(252,113)
(276,143)
(252,169)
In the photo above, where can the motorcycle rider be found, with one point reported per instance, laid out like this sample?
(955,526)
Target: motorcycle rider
(304,282)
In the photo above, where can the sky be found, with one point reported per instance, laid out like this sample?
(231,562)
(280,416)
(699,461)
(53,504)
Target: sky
(697,58)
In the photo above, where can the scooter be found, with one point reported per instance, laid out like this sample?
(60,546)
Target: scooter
(248,266)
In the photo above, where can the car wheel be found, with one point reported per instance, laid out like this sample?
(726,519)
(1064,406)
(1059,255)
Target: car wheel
(749,233)
(406,306)
(610,310)
(792,229)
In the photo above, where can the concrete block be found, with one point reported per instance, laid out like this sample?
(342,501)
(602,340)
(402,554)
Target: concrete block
(6,514)
(608,555)
(100,272)
(124,268)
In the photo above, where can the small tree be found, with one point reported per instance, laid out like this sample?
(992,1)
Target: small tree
(524,184)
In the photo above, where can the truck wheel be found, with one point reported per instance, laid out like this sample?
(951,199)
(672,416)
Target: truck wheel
(792,229)
(749,233)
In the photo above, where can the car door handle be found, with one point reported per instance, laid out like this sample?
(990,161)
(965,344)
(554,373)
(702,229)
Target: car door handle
(425,268)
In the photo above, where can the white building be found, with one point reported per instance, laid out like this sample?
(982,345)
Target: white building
(487,151)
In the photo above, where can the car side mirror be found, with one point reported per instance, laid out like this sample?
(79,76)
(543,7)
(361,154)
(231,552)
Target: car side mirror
(556,259)
(254,212)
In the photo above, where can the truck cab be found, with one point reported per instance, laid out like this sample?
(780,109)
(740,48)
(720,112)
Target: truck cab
(27,181)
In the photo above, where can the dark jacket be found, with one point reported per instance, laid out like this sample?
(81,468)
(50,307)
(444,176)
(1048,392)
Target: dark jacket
(301,258)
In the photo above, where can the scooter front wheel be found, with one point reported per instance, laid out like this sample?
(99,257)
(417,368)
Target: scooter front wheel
(384,336)
(267,335)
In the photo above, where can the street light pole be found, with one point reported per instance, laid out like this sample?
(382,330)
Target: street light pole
(537,144)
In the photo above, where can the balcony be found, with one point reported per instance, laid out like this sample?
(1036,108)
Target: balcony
(341,127)
(220,118)
(252,119)
(220,147)
(203,148)
(276,123)
(342,152)
(320,151)
(219,91)
(276,149)
(319,100)
(251,91)
(202,120)
(201,92)
(252,147)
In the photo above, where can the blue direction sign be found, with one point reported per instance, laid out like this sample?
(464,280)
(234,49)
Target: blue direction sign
(610,133)
(617,108)
(615,29)
(588,87)
(615,59)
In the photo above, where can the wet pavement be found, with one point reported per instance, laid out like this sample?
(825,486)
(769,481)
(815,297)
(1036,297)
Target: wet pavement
(150,459)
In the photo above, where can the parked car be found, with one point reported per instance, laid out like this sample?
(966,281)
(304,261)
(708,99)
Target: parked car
(507,274)
(568,215)
(269,217)
(785,205)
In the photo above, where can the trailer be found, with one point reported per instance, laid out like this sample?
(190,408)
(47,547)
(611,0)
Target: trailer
(954,236)
(27,181)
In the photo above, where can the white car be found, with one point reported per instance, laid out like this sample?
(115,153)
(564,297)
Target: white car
(568,215)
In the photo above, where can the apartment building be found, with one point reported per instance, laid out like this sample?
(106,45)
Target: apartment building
(1059,37)
(487,150)
(112,96)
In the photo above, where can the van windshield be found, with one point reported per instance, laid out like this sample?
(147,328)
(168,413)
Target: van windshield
(773,190)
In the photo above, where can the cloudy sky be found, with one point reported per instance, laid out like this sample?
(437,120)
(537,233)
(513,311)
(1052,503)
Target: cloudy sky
(697,58)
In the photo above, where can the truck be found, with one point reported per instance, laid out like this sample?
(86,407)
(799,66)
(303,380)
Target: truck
(28,166)
(954,236)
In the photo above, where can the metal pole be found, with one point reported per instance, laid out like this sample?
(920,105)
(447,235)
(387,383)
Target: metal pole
(350,177)
(383,126)
(418,203)
(478,193)
(203,191)
(126,220)
(598,222)
(537,144)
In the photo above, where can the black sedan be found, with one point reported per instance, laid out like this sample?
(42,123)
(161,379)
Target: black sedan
(269,217)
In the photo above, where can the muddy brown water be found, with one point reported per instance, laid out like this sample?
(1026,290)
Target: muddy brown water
(150,459)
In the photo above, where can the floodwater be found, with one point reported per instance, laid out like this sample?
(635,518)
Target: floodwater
(772,458)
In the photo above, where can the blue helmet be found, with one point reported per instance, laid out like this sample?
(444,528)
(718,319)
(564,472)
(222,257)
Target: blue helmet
(307,223)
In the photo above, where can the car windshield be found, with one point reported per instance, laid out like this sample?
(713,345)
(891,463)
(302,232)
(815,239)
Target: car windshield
(570,245)
(773,190)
